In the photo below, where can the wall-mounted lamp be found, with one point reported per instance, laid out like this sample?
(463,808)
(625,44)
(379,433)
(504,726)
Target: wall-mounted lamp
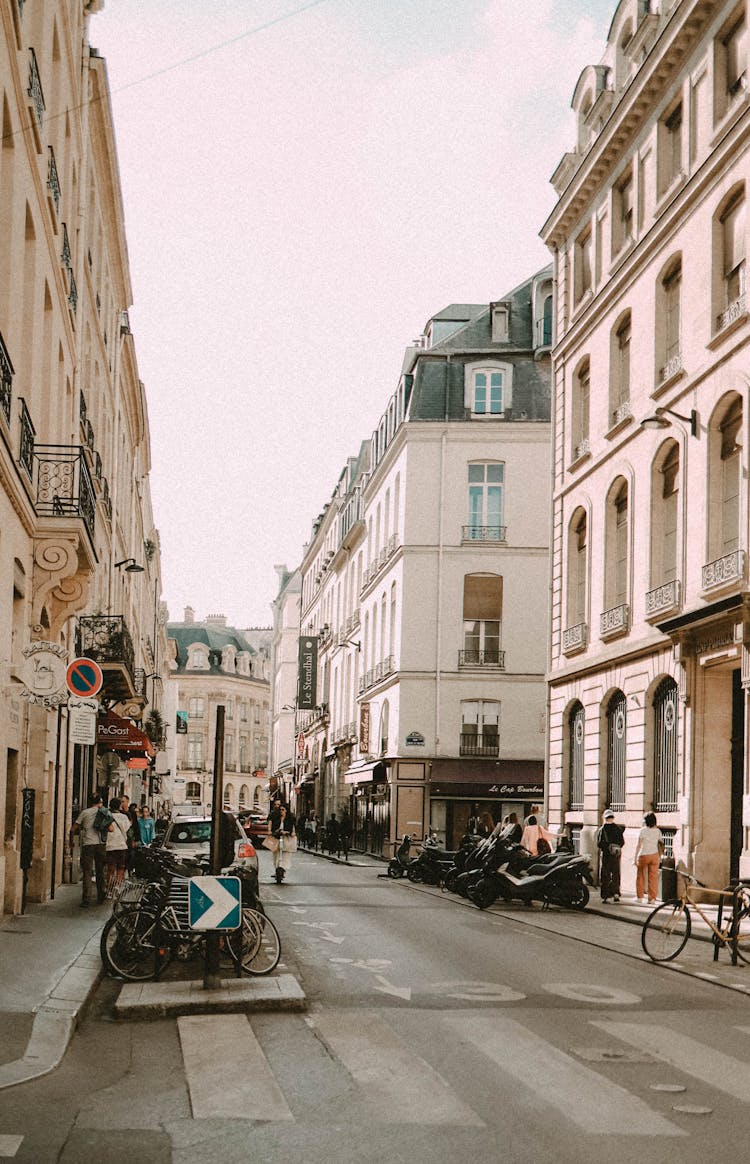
(351,643)
(131,566)
(155,675)
(658,419)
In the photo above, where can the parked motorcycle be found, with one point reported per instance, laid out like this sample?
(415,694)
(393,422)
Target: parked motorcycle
(555,879)
(400,861)
(432,865)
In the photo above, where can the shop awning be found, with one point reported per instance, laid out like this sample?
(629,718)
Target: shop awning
(120,735)
(364,771)
(494,777)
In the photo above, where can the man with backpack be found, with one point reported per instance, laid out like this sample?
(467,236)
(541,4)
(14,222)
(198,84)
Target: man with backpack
(93,824)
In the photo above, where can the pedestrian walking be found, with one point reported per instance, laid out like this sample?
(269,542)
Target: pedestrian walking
(610,841)
(147,826)
(311,831)
(345,832)
(116,849)
(134,839)
(536,839)
(333,835)
(647,854)
(93,849)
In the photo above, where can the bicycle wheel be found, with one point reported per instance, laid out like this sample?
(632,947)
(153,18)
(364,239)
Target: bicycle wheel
(256,945)
(127,945)
(743,926)
(666,930)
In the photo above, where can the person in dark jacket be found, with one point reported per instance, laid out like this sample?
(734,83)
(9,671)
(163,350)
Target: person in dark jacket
(609,841)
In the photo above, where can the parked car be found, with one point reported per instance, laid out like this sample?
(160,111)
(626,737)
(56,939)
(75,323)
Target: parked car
(256,825)
(190,836)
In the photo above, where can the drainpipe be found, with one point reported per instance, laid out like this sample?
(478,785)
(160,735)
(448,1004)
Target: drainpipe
(441,546)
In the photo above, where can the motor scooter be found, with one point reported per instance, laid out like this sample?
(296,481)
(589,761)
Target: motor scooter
(400,861)
(558,879)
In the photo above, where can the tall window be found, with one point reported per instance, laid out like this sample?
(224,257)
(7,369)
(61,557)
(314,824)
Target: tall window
(616,575)
(622,213)
(576,727)
(196,708)
(581,397)
(487,397)
(670,148)
(665,746)
(577,568)
(731,432)
(486,501)
(583,255)
(195,751)
(733,235)
(620,382)
(671,292)
(665,515)
(735,55)
(483,612)
(480,724)
(616,750)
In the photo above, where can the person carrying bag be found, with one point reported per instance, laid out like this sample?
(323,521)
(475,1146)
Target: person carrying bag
(610,841)
(285,835)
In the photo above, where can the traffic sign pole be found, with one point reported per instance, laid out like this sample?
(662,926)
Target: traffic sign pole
(211,975)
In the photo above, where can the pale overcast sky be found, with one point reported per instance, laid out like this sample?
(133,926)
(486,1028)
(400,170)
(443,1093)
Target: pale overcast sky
(305,184)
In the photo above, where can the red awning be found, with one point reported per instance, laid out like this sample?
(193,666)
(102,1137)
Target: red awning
(120,735)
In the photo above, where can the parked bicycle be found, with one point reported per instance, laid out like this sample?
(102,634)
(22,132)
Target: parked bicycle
(144,935)
(667,928)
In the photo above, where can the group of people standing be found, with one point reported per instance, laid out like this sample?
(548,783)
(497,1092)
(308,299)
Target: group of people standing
(333,836)
(109,840)
(649,849)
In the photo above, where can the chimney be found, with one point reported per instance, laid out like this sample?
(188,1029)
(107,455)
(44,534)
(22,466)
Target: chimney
(189,615)
(216,620)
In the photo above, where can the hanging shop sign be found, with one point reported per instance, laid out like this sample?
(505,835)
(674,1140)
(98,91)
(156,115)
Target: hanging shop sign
(43,674)
(364,728)
(307,672)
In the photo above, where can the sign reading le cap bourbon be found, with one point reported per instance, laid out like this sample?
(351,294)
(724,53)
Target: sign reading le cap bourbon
(307,672)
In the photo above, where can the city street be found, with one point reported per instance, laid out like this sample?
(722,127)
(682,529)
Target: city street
(431,1027)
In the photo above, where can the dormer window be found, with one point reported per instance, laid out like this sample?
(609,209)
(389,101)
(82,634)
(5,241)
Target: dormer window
(487,390)
(198,659)
(500,323)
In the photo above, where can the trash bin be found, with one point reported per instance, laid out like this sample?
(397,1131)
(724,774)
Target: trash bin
(667,879)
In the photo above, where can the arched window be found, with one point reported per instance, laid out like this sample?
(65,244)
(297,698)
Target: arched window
(256,796)
(616,751)
(576,734)
(665,746)
(616,546)
(229,794)
(665,487)
(383,734)
(619,386)
(243,796)
(574,637)
(725,471)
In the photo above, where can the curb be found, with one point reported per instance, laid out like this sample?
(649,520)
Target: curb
(157,1000)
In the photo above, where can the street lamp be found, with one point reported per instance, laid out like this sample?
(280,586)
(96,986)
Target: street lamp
(657,419)
(131,566)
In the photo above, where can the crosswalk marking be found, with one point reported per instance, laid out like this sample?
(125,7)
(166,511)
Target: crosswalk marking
(702,1062)
(228,1075)
(9,1145)
(590,1100)
(402,1086)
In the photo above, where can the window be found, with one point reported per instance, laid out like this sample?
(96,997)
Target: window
(487,398)
(622,213)
(665,516)
(576,736)
(577,570)
(665,747)
(193,790)
(668,312)
(480,722)
(243,712)
(196,708)
(486,502)
(616,571)
(620,378)
(730,429)
(670,148)
(195,751)
(242,801)
(583,267)
(483,612)
(581,397)
(735,56)
(733,237)
(616,751)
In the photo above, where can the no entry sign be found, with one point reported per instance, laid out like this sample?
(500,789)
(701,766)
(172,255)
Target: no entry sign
(84,677)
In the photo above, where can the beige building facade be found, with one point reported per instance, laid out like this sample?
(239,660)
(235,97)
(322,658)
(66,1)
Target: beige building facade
(650,634)
(79,552)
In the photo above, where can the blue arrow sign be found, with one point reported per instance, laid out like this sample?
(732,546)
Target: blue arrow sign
(215,903)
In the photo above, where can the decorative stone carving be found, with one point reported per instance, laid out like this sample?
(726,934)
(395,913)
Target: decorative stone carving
(59,585)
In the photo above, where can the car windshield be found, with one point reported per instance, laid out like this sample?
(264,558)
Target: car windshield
(191,832)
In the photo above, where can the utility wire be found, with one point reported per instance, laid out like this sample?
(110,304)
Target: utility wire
(177,64)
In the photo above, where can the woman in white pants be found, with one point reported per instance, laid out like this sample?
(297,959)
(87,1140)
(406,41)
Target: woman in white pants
(286,834)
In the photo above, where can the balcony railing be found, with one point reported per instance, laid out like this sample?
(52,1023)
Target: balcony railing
(575,638)
(6,381)
(63,484)
(474,745)
(492,658)
(582,449)
(65,257)
(483,533)
(53,181)
(729,568)
(614,621)
(35,88)
(26,441)
(733,311)
(621,413)
(106,639)
(672,368)
(661,598)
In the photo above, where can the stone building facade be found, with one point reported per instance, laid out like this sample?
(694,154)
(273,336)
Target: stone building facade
(650,633)
(79,552)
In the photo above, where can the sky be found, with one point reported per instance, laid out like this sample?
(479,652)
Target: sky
(305,183)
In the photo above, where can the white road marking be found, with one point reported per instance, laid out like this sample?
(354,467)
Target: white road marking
(585,992)
(227,1073)
(323,929)
(729,1075)
(468,991)
(587,1098)
(403,1088)
(9,1145)
(387,987)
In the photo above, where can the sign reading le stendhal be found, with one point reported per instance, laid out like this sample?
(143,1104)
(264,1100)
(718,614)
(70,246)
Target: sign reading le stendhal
(307,672)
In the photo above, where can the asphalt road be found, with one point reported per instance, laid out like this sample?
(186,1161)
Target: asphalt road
(434,1031)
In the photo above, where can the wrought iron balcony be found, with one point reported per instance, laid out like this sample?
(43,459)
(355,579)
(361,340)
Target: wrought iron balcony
(106,639)
(35,88)
(621,413)
(662,598)
(6,381)
(63,484)
(614,621)
(67,262)
(53,181)
(493,658)
(26,441)
(672,368)
(474,745)
(729,568)
(483,533)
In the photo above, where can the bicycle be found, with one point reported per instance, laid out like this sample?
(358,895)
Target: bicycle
(667,928)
